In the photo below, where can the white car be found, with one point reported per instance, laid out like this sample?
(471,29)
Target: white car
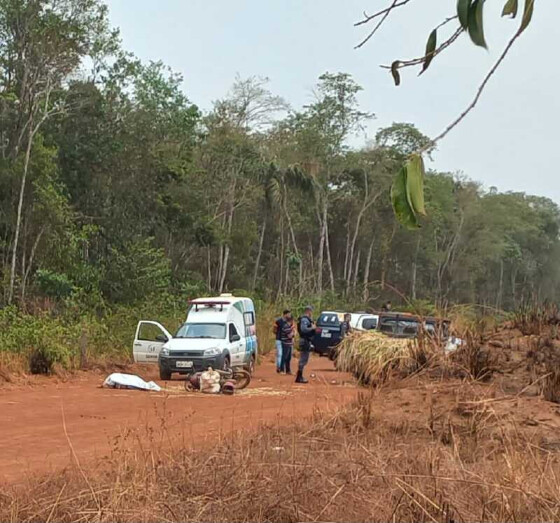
(219,332)
(362,321)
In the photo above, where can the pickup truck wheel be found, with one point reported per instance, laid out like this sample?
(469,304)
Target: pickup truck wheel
(164,374)
(227,363)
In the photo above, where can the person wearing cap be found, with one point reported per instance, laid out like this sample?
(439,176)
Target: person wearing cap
(306,330)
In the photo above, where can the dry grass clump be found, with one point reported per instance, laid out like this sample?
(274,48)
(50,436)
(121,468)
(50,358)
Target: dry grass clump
(535,319)
(372,357)
(476,360)
(544,364)
(352,466)
(550,388)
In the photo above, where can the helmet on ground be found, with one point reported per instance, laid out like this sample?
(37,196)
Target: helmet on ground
(228,388)
(195,381)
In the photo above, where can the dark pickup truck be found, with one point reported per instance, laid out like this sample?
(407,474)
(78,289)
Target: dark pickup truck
(405,325)
(328,333)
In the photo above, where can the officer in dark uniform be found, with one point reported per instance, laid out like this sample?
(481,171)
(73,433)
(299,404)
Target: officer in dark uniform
(345,326)
(306,330)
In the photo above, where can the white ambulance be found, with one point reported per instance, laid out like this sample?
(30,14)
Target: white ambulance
(219,332)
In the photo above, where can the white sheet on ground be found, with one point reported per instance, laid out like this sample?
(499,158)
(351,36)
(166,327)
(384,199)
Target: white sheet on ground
(129,381)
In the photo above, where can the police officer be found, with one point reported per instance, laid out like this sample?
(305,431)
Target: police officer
(306,330)
(346,327)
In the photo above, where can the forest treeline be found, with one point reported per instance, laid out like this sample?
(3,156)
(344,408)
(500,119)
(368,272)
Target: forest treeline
(115,186)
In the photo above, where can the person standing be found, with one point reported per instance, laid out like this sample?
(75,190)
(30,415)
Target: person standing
(345,327)
(287,339)
(277,330)
(306,330)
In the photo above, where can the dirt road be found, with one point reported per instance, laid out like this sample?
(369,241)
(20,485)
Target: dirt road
(40,424)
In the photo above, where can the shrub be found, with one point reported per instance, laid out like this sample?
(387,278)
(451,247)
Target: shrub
(134,271)
(534,318)
(44,339)
(53,284)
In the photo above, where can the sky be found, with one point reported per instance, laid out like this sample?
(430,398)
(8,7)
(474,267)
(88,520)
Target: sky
(511,139)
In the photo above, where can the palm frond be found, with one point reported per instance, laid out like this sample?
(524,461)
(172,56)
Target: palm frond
(273,191)
(297,178)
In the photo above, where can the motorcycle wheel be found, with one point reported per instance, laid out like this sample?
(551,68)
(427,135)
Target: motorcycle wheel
(242,378)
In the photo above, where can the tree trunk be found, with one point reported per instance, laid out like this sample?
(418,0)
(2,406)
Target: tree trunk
(328,249)
(224,268)
(259,254)
(364,208)
(367,269)
(311,265)
(320,256)
(415,269)
(281,256)
(229,224)
(347,253)
(514,287)
(287,278)
(19,212)
(30,263)
(387,242)
(293,238)
(209,259)
(500,286)
(220,265)
(356,271)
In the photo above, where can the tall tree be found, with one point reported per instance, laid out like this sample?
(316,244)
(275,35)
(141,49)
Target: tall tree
(41,44)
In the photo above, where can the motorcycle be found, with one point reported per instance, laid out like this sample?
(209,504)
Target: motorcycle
(239,377)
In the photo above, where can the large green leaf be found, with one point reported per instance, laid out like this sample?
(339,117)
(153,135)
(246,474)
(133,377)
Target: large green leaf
(404,213)
(430,49)
(476,23)
(463,12)
(415,184)
(395,72)
(527,15)
(510,9)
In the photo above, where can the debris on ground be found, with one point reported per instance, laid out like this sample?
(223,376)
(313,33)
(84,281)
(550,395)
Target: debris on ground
(129,381)
(264,391)
(228,388)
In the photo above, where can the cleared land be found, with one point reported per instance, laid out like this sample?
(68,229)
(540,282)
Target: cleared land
(431,446)
(42,419)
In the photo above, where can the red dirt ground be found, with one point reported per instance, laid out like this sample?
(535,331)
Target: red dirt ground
(33,417)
